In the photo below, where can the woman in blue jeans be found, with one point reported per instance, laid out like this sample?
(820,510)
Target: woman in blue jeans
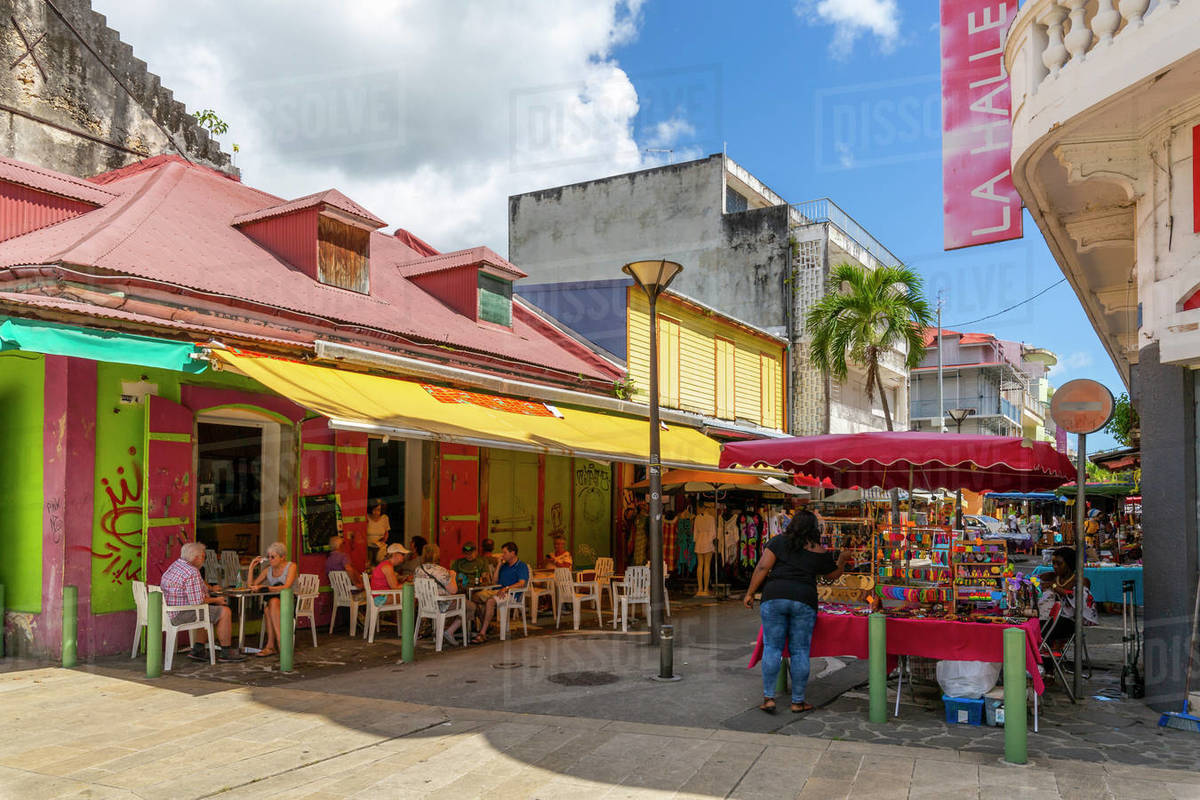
(787,574)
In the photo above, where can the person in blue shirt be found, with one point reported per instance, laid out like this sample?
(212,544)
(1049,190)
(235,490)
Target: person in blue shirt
(513,574)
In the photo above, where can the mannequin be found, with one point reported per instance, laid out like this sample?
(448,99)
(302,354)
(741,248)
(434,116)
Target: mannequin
(705,531)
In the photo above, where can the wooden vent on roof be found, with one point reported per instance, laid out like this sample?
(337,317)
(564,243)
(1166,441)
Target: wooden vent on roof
(343,255)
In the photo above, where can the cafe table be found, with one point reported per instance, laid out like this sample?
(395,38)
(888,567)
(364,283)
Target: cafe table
(241,593)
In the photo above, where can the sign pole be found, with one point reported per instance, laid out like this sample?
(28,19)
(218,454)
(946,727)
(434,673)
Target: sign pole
(1080,556)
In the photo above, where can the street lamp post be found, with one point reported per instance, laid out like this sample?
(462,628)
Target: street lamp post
(652,277)
(959,415)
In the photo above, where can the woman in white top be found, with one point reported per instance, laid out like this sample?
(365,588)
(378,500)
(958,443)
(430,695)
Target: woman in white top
(378,527)
(278,574)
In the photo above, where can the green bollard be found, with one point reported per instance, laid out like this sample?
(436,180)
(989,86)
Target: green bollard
(1,620)
(877,666)
(781,684)
(408,631)
(1016,749)
(154,635)
(70,625)
(287,629)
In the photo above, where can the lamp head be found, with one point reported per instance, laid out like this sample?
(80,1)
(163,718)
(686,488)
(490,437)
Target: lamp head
(652,276)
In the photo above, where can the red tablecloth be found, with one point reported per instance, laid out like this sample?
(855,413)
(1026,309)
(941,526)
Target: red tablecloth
(846,635)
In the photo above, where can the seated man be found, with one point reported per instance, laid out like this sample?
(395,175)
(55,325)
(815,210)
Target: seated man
(339,560)
(561,557)
(472,568)
(182,586)
(513,574)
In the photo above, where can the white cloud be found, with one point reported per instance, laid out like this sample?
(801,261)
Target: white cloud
(429,114)
(1070,363)
(851,19)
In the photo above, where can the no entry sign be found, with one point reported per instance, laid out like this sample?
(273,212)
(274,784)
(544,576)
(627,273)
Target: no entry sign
(1081,406)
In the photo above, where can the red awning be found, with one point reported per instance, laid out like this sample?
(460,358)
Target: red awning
(900,460)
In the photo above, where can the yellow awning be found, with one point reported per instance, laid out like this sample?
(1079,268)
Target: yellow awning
(404,408)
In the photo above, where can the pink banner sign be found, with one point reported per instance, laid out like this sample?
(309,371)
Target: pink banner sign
(980,205)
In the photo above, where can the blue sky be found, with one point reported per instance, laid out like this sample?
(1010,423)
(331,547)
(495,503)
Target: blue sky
(850,110)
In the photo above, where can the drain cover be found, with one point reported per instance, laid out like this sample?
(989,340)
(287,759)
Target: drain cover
(507,665)
(583,678)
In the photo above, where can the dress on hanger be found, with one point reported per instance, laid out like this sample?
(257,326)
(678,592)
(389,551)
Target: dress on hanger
(685,562)
(670,534)
(731,533)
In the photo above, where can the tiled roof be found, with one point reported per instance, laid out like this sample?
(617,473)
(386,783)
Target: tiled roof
(964,338)
(459,258)
(52,182)
(171,223)
(329,197)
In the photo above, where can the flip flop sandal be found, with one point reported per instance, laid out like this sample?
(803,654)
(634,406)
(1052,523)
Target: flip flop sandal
(266,653)
(767,705)
(801,708)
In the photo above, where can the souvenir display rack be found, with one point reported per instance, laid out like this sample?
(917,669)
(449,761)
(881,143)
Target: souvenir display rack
(978,567)
(899,578)
(855,535)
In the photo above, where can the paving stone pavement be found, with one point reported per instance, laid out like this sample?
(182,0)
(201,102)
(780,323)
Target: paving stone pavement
(83,733)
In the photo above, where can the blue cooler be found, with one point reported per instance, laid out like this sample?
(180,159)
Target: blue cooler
(963,710)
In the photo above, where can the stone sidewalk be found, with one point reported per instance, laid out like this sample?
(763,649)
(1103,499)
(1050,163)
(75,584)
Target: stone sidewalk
(85,733)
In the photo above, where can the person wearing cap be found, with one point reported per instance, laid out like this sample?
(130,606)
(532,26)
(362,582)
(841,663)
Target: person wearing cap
(473,568)
(384,577)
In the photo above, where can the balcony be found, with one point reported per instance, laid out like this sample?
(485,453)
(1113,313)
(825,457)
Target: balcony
(984,407)
(1101,93)
(857,242)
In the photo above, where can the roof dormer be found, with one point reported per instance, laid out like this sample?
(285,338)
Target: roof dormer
(33,198)
(476,283)
(327,236)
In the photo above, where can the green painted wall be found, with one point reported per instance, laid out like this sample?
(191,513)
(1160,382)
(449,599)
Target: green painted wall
(593,511)
(556,512)
(22,391)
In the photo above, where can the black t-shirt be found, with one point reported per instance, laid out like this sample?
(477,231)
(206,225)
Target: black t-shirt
(794,576)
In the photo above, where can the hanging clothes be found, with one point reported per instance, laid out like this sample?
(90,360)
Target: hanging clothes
(670,534)
(729,545)
(749,542)
(685,562)
(641,532)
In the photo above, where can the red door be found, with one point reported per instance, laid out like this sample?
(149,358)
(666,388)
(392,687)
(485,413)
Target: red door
(458,499)
(168,499)
(351,482)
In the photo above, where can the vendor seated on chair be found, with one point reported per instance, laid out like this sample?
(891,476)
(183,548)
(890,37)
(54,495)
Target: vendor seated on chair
(182,585)
(561,557)
(513,574)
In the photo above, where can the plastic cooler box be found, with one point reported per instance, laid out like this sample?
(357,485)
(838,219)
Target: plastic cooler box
(963,710)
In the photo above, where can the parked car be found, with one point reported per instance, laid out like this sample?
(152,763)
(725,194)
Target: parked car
(985,526)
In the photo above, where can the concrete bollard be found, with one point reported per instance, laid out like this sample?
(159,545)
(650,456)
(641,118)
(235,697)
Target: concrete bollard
(154,635)
(287,629)
(408,616)
(70,626)
(877,666)
(1016,749)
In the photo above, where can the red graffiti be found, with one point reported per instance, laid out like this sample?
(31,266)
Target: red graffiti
(119,545)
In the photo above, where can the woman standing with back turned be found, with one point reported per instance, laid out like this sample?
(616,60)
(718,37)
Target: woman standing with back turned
(787,574)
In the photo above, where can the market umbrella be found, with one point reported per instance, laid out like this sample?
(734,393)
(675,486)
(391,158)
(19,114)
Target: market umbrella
(904,459)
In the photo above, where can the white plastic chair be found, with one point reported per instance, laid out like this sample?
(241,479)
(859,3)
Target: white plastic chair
(141,604)
(173,629)
(345,595)
(428,608)
(308,587)
(512,601)
(231,567)
(393,601)
(604,575)
(212,568)
(569,593)
(633,591)
(538,591)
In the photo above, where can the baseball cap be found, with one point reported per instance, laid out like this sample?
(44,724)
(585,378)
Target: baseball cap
(468,547)
(396,547)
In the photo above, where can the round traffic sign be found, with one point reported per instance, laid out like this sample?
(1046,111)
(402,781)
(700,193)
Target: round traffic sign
(1081,406)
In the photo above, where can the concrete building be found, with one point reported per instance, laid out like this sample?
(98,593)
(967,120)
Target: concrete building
(746,252)
(76,100)
(1005,383)
(1105,132)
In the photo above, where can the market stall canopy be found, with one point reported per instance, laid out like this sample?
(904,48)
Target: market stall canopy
(872,495)
(1119,489)
(900,459)
(709,480)
(1033,497)
(412,409)
(52,338)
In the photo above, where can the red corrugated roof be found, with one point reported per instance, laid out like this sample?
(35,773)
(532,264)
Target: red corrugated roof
(52,182)
(964,338)
(170,222)
(471,257)
(153,163)
(415,243)
(329,197)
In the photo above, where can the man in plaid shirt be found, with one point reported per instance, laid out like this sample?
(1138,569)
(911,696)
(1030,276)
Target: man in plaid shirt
(182,586)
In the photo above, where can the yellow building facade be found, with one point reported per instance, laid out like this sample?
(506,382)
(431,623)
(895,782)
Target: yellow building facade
(708,363)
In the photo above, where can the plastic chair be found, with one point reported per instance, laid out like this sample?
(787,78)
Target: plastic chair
(635,591)
(212,568)
(308,587)
(512,602)
(345,595)
(141,604)
(393,601)
(1058,652)
(173,629)
(603,577)
(428,607)
(231,567)
(568,592)
(536,592)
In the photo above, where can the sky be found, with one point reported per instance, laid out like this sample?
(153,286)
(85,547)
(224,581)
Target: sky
(432,112)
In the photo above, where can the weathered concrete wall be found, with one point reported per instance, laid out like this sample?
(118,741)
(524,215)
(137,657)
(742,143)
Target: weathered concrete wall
(66,111)
(586,231)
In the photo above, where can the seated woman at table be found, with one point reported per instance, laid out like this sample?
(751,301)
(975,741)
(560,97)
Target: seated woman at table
(1058,588)
(277,574)
(386,576)
(447,583)
(787,573)
(561,557)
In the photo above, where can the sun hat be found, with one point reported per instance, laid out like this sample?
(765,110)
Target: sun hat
(396,547)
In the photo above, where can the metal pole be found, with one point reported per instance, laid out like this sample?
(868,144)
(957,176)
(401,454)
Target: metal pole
(1015,744)
(408,628)
(941,388)
(877,666)
(154,635)
(70,623)
(666,655)
(655,526)
(287,629)
(1080,557)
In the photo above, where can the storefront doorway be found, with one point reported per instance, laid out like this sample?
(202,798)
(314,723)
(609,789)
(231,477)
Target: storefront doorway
(237,483)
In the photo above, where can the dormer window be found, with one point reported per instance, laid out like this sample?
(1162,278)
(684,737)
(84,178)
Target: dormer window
(343,254)
(495,300)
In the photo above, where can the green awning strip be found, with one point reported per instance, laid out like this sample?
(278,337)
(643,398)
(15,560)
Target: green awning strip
(99,345)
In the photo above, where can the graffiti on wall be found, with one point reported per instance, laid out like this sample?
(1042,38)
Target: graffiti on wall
(592,484)
(119,543)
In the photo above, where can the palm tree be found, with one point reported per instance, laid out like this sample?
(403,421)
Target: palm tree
(864,314)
